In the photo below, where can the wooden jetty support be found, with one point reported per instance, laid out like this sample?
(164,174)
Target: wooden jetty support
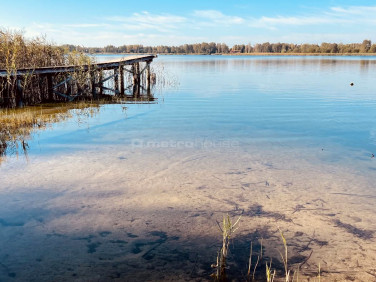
(129,77)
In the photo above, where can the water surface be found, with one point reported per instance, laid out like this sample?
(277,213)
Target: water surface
(136,192)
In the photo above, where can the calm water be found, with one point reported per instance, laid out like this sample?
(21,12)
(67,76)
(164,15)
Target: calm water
(136,176)
(306,102)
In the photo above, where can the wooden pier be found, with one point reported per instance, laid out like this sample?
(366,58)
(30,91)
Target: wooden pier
(129,77)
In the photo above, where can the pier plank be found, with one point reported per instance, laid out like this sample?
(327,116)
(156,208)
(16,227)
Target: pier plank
(129,60)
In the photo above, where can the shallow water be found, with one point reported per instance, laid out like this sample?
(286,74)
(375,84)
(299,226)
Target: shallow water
(135,193)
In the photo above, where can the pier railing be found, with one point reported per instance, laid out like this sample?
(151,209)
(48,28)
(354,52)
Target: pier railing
(129,77)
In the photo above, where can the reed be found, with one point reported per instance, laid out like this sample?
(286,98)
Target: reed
(284,256)
(17,52)
(270,274)
(259,258)
(228,228)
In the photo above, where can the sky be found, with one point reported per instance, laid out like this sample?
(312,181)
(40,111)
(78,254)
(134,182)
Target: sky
(161,22)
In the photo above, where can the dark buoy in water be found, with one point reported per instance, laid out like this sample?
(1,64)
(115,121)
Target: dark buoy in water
(352,84)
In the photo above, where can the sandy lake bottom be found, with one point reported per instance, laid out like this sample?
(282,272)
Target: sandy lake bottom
(150,214)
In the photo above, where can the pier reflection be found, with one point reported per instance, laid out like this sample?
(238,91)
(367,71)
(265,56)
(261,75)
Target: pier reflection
(19,125)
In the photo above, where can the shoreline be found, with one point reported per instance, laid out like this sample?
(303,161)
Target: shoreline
(253,54)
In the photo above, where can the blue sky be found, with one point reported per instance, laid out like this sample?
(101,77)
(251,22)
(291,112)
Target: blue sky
(100,23)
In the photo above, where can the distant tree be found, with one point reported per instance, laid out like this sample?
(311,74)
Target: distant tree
(284,48)
(305,48)
(354,47)
(276,47)
(266,47)
(248,48)
(225,49)
(213,48)
(328,47)
(186,49)
(257,48)
(366,46)
(110,49)
(372,49)
(296,49)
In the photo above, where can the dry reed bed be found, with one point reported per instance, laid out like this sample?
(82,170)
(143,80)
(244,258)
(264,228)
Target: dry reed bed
(17,52)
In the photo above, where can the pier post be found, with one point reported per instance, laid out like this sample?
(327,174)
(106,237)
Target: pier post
(50,91)
(74,88)
(41,89)
(139,79)
(66,87)
(100,82)
(121,73)
(8,95)
(116,81)
(19,93)
(93,85)
(7,101)
(136,79)
(148,81)
(11,93)
(2,91)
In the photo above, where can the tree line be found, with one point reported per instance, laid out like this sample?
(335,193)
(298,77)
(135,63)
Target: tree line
(221,48)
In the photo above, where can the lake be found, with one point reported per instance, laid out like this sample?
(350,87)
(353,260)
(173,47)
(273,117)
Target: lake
(134,192)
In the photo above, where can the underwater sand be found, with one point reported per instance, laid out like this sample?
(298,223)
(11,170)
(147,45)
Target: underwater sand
(150,214)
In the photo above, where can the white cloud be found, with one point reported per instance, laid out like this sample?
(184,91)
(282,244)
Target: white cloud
(296,20)
(335,15)
(340,24)
(355,10)
(86,25)
(218,17)
(355,14)
(148,21)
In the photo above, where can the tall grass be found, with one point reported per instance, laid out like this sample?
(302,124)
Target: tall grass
(285,256)
(227,229)
(17,52)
